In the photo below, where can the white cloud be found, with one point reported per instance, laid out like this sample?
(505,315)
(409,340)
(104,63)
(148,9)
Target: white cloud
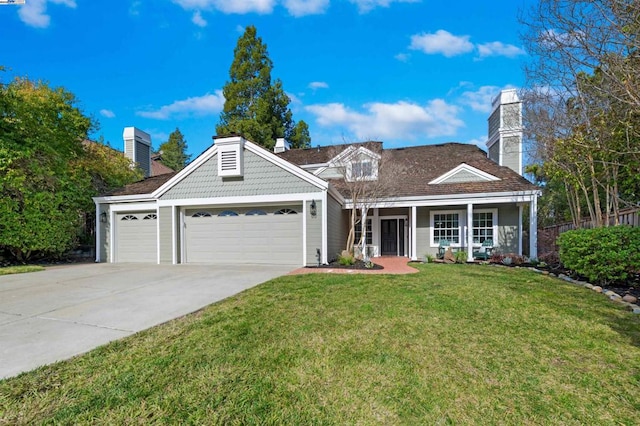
(390,121)
(403,57)
(134,9)
(497,48)
(318,85)
(441,42)
(107,113)
(480,100)
(198,19)
(198,106)
(305,7)
(34,12)
(480,142)
(365,6)
(229,6)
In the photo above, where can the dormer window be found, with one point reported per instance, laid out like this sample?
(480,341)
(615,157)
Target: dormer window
(361,170)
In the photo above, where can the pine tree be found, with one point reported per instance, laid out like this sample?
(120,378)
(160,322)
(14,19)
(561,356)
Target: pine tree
(254,106)
(174,151)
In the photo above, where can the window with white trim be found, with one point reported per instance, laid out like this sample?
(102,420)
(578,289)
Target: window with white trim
(483,226)
(362,169)
(368,230)
(256,213)
(446,226)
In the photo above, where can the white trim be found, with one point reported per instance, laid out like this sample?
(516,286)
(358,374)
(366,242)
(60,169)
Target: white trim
(132,207)
(469,242)
(112,235)
(123,198)
(325,227)
(158,235)
(463,228)
(396,217)
(183,256)
(520,209)
(414,232)
(252,199)
(98,233)
(449,200)
(174,236)
(304,233)
(464,167)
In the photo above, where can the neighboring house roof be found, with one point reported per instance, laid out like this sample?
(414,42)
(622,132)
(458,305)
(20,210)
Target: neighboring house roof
(415,169)
(158,168)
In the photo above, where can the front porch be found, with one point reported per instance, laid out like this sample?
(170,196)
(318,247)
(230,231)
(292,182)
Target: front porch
(416,231)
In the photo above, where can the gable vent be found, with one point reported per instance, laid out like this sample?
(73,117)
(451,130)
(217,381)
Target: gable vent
(230,158)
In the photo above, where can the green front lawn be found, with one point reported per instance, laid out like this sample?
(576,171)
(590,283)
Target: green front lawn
(8,270)
(453,344)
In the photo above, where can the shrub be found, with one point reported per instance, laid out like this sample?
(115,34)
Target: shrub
(461,256)
(603,255)
(429,258)
(346,260)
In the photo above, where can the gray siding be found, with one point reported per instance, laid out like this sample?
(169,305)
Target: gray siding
(337,228)
(494,122)
(511,153)
(331,173)
(508,228)
(103,244)
(166,237)
(511,116)
(464,176)
(260,178)
(314,233)
(494,152)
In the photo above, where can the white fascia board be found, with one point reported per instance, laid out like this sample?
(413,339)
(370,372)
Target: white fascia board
(342,155)
(123,198)
(318,171)
(313,166)
(132,207)
(460,199)
(290,167)
(188,170)
(233,201)
(336,195)
(467,168)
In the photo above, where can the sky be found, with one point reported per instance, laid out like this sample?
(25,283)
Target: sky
(405,72)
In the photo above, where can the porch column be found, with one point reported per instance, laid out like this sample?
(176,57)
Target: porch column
(533,227)
(520,210)
(414,232)
(469,232)
(98,234)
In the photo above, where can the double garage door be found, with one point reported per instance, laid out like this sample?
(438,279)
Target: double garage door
(271,235)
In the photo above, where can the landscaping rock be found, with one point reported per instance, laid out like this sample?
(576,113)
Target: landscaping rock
(610,293)
(597,289)
(589,286)
(545,272)
(629,298)
(449,257)
(615,297)
(634,308)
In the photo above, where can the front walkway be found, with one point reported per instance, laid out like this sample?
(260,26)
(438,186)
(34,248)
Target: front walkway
(391,265)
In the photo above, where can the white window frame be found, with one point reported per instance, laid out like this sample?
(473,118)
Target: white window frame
(494,226)
(462,226)
(368,231)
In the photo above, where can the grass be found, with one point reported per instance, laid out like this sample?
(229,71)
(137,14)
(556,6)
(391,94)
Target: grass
(8,270)
(454,344)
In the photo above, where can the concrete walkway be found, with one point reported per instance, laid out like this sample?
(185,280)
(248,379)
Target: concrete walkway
(64,311)
(391,265)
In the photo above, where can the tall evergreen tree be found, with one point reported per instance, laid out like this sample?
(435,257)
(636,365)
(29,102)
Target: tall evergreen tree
(254,106)
(174,151)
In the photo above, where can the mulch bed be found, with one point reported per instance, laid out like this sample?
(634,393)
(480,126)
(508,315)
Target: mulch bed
(359,265)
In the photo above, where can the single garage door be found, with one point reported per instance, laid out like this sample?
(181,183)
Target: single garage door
(136,237)
(270,235)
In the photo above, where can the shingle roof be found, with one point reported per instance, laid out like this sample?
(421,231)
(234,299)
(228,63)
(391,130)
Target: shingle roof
(413,168)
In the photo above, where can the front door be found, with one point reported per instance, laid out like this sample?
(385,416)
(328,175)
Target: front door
(392,237)
(389,237)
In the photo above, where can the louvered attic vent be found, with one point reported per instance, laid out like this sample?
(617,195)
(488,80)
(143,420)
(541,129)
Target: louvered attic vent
(230,158)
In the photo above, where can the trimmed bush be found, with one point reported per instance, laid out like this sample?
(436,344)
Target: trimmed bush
(603,255)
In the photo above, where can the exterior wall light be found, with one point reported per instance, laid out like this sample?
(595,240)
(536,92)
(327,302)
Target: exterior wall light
(103,217)
(314,210)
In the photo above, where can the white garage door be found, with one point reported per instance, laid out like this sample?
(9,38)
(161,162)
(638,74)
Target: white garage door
(136,237)
(270,235)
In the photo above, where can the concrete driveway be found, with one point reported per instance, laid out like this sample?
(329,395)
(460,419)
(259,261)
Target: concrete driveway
(64,311)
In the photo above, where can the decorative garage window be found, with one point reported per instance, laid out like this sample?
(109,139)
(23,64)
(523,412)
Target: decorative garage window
(286,211)
(150,216)
(228,213)
(446,226)
(201,214)
(256,213)
(369,231)
(129,217)
(483,227)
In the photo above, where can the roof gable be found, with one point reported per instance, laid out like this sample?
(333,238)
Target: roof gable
(464,173)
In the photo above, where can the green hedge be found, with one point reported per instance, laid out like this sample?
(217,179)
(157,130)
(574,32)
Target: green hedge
(603,255)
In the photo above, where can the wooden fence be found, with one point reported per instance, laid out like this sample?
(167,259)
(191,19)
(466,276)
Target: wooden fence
(547,235)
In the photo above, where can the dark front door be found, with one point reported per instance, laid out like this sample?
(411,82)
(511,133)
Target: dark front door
(389,236)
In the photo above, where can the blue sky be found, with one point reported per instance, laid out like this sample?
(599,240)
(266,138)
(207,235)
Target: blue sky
(407,72)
